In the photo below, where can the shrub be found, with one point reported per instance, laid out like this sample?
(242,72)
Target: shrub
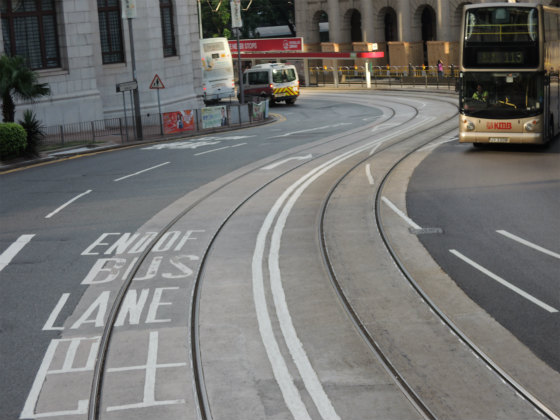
(34,130)
(13,140)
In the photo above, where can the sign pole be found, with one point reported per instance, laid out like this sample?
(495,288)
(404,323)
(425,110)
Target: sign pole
(242,95)
(136,94)
(159,112)
(237,23)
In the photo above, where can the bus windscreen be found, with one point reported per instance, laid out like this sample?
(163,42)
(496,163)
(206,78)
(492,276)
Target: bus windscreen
(502,95)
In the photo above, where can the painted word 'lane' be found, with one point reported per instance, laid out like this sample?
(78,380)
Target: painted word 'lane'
(157,288)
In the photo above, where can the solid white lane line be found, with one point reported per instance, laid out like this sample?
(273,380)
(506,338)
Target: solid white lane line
(141,172)
(51,214)
(308,374)
(369,175)
(283,377)
(529,244)
(8,255)
(400,213)
(220,148)
(504,282)
(291,394)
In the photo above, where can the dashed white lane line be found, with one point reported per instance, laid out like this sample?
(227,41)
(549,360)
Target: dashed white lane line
(51,214)
(369,175)
(504,282)
(8,255)
(529,244)
(400,213)
(142,171)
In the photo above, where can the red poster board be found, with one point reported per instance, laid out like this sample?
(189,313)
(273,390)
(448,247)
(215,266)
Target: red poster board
(178,121)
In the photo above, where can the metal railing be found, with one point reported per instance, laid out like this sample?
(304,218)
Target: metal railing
(122,130)
(397,76)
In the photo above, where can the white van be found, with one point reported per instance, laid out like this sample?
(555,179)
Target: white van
(276,81)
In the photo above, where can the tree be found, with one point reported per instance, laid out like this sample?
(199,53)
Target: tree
(17,81)
(216,17)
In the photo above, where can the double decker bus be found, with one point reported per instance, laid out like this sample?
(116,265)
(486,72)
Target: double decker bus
(509,63)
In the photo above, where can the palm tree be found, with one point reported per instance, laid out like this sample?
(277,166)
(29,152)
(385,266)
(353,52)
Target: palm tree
(17,81)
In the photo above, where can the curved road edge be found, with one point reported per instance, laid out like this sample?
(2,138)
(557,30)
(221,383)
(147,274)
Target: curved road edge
(502,347)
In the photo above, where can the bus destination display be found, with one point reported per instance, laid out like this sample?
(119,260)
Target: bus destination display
(500,57)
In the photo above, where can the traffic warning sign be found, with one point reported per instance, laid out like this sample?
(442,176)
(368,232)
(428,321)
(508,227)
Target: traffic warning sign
(157,83)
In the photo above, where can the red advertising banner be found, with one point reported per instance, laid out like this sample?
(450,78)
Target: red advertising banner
(178,121)
(267,44)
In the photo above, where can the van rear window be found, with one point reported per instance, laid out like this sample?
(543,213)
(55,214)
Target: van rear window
(283,76)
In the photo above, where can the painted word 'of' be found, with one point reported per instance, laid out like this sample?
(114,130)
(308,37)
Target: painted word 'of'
(135,243)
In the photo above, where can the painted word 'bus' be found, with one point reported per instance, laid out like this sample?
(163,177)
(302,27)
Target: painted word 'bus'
(217,70)
(508,88)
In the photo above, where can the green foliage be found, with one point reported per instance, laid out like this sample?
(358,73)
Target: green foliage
(34,130)
(216,17)
(17,81)
(13,140)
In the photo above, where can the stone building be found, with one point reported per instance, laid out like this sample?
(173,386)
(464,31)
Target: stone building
(408,31)
(81,48)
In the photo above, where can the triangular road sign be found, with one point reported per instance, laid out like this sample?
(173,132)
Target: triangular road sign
(157,83)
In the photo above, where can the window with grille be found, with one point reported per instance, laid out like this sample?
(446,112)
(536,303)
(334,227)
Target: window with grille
(29,30)
(167,28)
(110,31)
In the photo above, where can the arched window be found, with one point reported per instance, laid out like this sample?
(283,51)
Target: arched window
(29,30)
(167,28)
(110,31)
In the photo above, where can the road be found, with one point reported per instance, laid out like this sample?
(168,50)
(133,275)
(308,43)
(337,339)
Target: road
(74,231)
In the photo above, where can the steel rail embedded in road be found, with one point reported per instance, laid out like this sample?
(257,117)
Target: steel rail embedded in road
(203,405)
(533,400)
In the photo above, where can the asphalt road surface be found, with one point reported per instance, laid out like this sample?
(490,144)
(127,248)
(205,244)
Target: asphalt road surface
(260,285)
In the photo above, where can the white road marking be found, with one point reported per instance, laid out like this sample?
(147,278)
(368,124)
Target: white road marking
(529,244)
(385,125)
(8,255)
(281,162)
(438,143)
(51,214)
(142,171)
(374,149)
(400,213)
(369,175)
(504,282)
(282,375)
(220,148)
(312,129)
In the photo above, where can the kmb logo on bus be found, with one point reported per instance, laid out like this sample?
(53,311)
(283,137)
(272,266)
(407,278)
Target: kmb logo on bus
(498,125)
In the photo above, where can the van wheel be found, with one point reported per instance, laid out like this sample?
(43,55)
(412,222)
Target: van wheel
(290,101)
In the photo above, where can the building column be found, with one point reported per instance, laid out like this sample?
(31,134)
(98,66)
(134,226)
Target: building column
(334,21)
(368,25)
(443,20)
(403,21)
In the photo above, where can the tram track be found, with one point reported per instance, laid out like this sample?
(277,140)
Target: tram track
(204,408)
(407,389)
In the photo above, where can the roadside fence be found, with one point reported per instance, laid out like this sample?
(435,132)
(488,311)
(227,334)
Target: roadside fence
(122,130)
(397,76)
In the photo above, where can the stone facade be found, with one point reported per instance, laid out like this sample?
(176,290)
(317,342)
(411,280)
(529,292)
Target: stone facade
(84,89)
(408,42)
